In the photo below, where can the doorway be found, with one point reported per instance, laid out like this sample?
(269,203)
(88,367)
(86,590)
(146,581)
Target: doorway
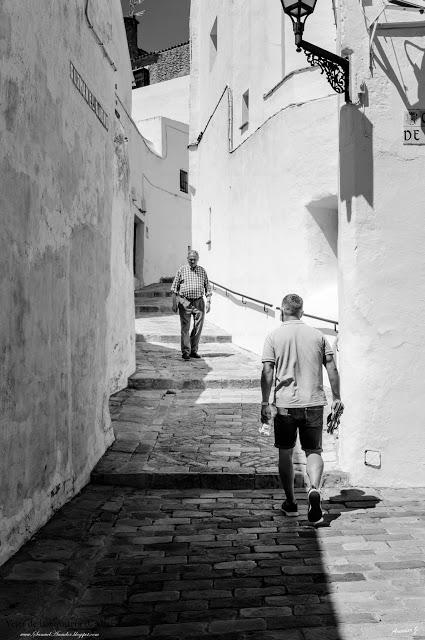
(138,252)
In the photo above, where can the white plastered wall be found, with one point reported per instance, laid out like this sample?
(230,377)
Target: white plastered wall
(382,234)
(161,114)
(264,197)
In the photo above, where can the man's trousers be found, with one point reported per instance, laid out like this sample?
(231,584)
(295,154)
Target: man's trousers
(188,308)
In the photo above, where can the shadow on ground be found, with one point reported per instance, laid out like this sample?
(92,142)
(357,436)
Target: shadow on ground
(126,563)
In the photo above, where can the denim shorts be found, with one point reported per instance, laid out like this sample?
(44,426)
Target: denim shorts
(307,421)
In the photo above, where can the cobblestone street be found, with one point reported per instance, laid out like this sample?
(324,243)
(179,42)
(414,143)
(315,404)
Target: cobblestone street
(194,423)
(128,563)
(181,534)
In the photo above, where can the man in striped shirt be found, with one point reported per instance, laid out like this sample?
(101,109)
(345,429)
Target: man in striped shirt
(189,287)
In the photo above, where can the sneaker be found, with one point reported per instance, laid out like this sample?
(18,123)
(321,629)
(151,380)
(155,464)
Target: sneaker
(194,355)
(290,508)
(315,514)
(185,356)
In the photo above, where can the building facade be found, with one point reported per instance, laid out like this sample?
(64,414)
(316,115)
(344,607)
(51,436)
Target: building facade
(162,216)
(294,190)
(160,111)
(155,66)
(381,235)
(67,314)
(263,176)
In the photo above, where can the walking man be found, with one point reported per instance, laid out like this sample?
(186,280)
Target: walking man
(293,357)
(190,285)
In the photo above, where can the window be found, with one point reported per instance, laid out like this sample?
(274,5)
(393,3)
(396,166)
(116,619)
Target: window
(245,112)
(213,44)
(183,181)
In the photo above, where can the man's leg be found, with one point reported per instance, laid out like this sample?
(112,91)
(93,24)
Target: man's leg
(198,311)
(314,468)
(184,329)
(285,437)
(311,442)
(286,472)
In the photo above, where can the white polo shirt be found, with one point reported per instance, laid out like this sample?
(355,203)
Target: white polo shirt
(298,351)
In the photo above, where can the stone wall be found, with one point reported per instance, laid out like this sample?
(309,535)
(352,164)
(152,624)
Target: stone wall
(171,63)
(65,245)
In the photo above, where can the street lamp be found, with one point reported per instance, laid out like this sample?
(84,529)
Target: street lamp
(336,68)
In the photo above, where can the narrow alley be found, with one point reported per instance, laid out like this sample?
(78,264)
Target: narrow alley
(180,534)
(212,218)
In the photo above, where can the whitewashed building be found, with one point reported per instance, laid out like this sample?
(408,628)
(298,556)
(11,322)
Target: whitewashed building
(263,177)
(163,220)
(275,153)
(160,112)
(66,227)
(381,240)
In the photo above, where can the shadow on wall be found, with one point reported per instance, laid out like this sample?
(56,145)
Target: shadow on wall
(356,156)
(325,213)
(414,54)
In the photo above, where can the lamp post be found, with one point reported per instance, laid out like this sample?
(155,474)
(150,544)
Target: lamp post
(336,68)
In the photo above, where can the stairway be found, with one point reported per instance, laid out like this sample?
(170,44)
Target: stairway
(193,424)
(153,299)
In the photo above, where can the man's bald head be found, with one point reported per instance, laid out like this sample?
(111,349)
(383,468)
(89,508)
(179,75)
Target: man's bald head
(192,258)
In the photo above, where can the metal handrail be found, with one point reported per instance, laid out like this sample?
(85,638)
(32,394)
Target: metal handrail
(308,315)
(268,304)
(241,295)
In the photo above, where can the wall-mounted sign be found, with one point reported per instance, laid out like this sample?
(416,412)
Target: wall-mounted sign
(414,127)
(89,97)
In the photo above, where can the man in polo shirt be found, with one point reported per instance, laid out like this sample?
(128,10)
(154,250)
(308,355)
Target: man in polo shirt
(293,356)
(190,285)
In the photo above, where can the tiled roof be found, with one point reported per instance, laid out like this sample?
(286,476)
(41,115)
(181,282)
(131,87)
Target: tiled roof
(175,46)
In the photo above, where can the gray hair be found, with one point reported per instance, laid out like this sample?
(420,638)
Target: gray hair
(193,252)
(293,304)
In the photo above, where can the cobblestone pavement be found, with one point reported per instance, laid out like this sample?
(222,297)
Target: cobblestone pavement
(124,563)
(212,431)
(197,420)
(215,563)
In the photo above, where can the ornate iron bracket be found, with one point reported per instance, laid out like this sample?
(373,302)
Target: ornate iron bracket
(336,68)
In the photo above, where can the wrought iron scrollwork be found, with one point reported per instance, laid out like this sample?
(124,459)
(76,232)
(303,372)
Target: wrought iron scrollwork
(335,67)
(334,73)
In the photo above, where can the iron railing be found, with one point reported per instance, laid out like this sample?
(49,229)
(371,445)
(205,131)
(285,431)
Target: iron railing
(308,315)
(267,305)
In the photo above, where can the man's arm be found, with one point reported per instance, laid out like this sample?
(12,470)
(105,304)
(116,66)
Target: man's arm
(333,376)
(267,376)
(175,287)
(174,302)
(208,293)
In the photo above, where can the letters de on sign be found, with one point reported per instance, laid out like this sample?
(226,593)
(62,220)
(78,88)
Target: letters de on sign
(414,127)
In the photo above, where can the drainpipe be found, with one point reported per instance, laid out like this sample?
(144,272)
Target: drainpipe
(230,118)
(98,39)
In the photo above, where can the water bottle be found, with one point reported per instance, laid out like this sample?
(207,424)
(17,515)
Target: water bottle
(265,429)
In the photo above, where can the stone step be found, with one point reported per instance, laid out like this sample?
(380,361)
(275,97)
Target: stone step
(141,381)
(156,288)
(174,338)
(165,328)
(147,308)
(218,481)
(152,293)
